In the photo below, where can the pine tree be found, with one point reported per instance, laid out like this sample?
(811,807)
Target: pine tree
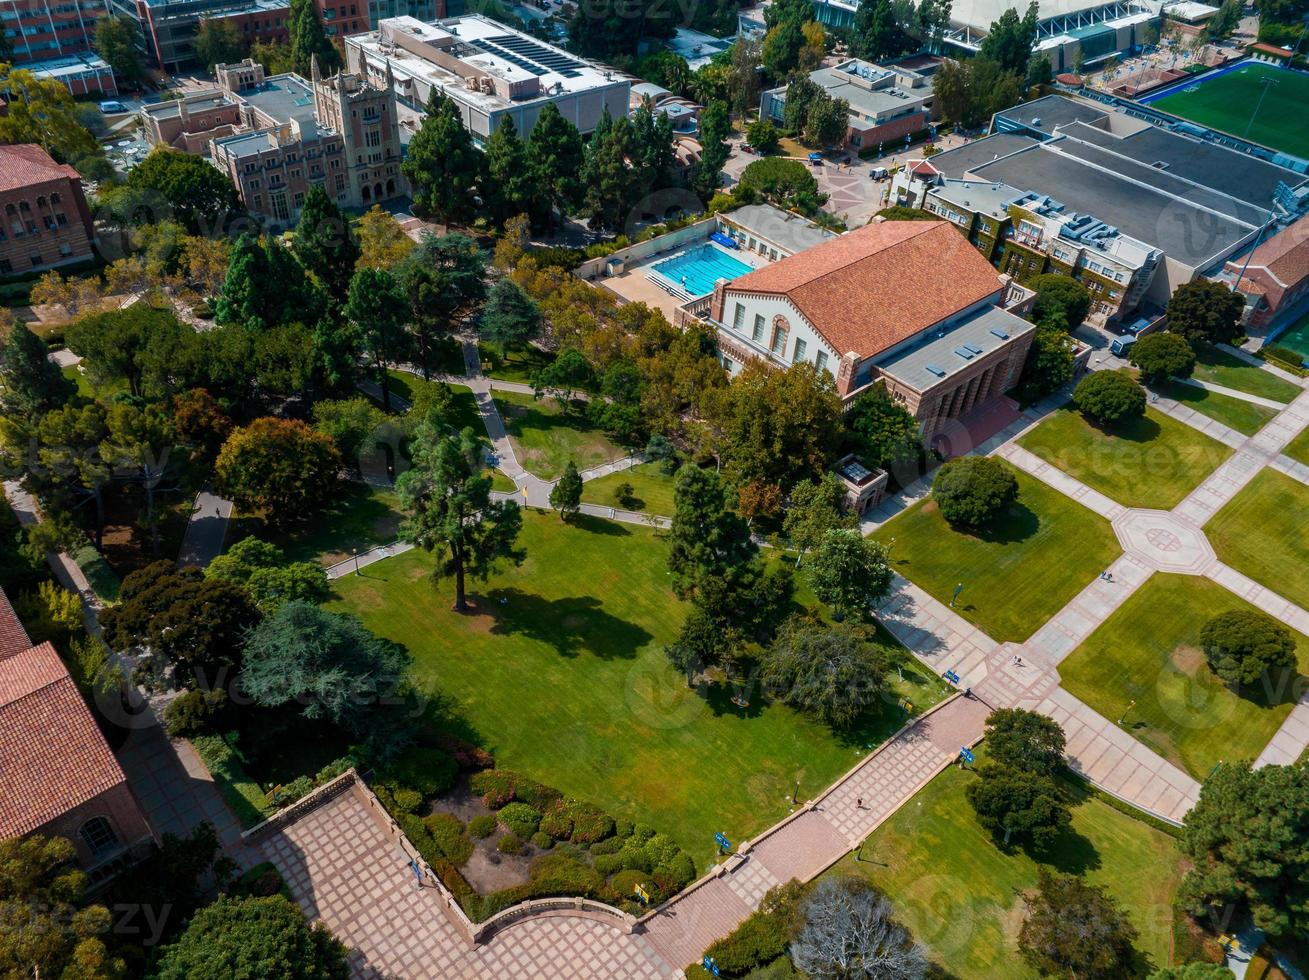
(555,152)
(242,299)
(308,40)
(443,165)
(378,308)
(510,319)
(325,242)
(30,383)
(510,187)
(566,494)
(605,175)
(292,297)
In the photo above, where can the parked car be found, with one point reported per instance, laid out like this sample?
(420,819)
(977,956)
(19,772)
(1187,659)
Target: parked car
(816,159)
(112,107)
(879,173)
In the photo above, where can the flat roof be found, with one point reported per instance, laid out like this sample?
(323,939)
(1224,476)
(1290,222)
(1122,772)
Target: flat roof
(1189,10)
(790,231)
(194,103)
(967,158)
(1227,171)
(72,64)
(283,98)
(247,144)
(981,14)
(978,195)
(490,47)
(941,355)
(838,82)
(1183,229)
(1045,114)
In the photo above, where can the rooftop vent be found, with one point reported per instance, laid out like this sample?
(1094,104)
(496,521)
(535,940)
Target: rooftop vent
(938,371)
(964,352)
(973,347)
(997,332)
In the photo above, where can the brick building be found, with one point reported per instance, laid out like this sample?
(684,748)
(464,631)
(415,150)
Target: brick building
(39,30)
(57,774)
(291,134)
(1275,276)
(909,304)
(46,220)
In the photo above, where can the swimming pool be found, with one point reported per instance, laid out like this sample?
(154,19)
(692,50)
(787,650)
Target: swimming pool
(1296,338)
(695,271)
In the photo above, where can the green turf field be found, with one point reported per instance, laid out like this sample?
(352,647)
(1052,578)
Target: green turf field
(1227,101)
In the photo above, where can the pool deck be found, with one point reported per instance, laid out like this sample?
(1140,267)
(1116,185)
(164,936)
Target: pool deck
(635,286)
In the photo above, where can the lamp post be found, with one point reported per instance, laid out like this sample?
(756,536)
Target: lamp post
(1130,705)
(957,589)
(355,552)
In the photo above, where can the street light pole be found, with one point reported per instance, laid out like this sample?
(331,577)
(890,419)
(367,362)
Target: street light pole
(1267,83)
(1130,705)
(355,552)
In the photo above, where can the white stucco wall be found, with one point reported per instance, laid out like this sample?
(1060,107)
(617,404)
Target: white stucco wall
(770,307)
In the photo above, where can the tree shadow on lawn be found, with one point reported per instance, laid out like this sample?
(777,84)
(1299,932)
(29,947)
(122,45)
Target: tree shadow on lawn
(1018,523)
(600,525)
(572,625)
(1143,429)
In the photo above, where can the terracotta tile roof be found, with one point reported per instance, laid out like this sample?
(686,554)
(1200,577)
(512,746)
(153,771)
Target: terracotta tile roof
(13,638)
(878,285)
(1286,254)
(26,163)
(52,755)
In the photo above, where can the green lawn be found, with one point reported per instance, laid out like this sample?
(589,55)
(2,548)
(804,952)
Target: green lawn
(1226,103)
(1298,448)
(652,489)
(1235,413)
(958,892)
(518,365)
(1221,368)
(1261,532)
(1042,552)
(561,673)
(1154,461)
(545,438)
(463,407)
(1149,652)
(360,517)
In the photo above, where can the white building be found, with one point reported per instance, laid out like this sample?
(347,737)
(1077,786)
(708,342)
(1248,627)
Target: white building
(490,71)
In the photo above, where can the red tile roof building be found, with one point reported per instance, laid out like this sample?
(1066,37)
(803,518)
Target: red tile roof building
(1276,276)
(908,303)
(45,218)
(58,776)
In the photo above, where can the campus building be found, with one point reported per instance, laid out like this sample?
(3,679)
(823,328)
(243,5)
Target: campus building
(1274,277)
(46,220)
(887,102)
(1131,209)
(58,776)
(43,30)
(277,137)
(490,71)
(909,304)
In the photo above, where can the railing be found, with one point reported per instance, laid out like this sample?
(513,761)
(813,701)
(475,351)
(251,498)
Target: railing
(545,906)
(311,800)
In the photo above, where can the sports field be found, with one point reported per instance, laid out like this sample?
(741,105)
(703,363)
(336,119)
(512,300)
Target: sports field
(1225,102)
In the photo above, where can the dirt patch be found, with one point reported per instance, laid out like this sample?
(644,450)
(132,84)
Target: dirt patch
(930,507)
(487,870)
(1188,659)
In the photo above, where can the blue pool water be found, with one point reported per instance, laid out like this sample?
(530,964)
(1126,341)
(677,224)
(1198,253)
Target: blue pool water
(696,270)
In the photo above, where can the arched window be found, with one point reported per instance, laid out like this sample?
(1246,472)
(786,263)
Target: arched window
(781,327)
(367,194)
(99,836)
(377,191)
(390,187)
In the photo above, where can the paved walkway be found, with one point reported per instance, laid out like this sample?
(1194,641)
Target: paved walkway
(1244,396)
(345,866)
(206,530)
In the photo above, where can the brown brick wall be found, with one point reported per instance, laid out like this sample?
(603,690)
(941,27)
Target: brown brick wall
(35,210)
(118,806)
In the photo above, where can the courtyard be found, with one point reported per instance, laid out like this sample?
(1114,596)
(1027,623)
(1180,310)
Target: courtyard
(1144,665)
(560,671)
(1153,461)
(546,437)
(1261,533)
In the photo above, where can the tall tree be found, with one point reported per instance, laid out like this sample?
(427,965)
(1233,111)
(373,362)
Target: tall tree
(885,433)
(566,494)
(115,41)
(41,111)
(710,544)
(279,466)
(217,42)
(444,279)
(195,192)
(137,344)
(829,672)
(1009,41)
(378,308)
(813,510)
(608,181)
(1073,929)
(555,152)
(847,931)
(1203,311)
(309,41)
(443,165)
(383,244)
(1021,739)
(715,128)
(447,496)
(1249,838)
(850,572)
(30,383)
(510,187)
(781,48)
(511,319)
(1019,805)
(877,33)
(743,81)
(325,243)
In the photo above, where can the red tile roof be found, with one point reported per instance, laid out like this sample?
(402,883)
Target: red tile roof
(874,287)
(52,755)
(1286,254)
(23,164)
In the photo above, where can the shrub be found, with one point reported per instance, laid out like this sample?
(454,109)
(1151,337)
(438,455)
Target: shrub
(607,864)
(521,819)
(590,823)
(610,845)
(465,753)
(448,832)
(535,795)
(482,826)
(970,490)
(268,882)
(193,712)
(543,841)
(1109,396)
(561,874)
(407,800)
(510,843)
(430,771)
(675,874)
(625,882)
(416,831)
(622,830)
(1243,645)
(557,821)
(458,885)
(337,767)
(496,787)
(756,942)
(288,793)
(1275,352)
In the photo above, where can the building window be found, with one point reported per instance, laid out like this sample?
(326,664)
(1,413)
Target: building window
(820,361)
(800,348)
(758,334)
(99,836)
(36,261)
(780,329)
(738,318)
(65,250)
